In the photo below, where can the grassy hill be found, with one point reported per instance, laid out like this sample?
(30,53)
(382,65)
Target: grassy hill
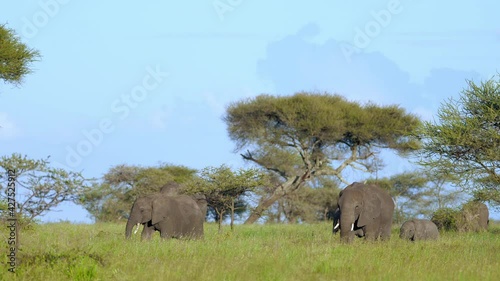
(63,251)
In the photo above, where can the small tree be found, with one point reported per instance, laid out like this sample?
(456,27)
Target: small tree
(223,187)
(446,218)
(39,187)
(466,139)
(15,57)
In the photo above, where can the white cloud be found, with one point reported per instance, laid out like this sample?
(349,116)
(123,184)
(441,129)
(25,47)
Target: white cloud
(159,118)
(7,127)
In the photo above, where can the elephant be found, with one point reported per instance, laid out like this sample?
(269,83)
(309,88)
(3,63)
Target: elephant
(419,229)
(336,224)
(474,217)
(365,207)
(174,216)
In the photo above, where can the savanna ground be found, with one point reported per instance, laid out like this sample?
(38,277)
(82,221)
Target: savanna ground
(63,251)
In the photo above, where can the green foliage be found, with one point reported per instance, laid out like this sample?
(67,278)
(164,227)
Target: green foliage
(15,57)
(38,186)
(112,198)
(151,179)
(307,135)
(251,252)
(466,139)
(419,193)
(446,219)
(464,219)
(223,187)
(319,121)
(308,205)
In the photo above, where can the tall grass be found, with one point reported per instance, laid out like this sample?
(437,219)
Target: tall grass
(63,251)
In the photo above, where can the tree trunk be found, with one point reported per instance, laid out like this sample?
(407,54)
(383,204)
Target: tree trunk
(289,186)
(232,213)
(220,213)
(281,211)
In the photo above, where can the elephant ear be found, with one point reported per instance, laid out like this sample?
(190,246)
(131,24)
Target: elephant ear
(370,210)
(145,214)
(160,209)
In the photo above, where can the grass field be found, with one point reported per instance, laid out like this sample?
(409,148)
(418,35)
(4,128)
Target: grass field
(63,251)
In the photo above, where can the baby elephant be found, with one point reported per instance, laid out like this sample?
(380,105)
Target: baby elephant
(417,229)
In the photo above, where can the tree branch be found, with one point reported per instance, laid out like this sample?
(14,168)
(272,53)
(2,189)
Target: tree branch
(249,157)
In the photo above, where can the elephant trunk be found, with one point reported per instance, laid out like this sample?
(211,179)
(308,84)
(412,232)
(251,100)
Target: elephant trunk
(130,225)
(347,226)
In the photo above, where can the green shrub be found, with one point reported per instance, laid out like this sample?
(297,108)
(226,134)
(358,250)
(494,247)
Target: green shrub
(446,219)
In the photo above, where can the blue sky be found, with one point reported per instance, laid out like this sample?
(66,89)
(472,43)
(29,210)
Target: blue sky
(143,83)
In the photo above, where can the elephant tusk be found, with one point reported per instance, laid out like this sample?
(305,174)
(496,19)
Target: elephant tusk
(352,227)
(336,226)
(137,229)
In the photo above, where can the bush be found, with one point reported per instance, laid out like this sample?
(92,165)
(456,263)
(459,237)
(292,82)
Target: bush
(446,219)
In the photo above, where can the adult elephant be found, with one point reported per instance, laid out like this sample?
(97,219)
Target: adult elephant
(174,216)
(418,229)
(483,216)
(365,207)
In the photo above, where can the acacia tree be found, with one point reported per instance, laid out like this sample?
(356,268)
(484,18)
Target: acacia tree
(39,188)
(310,135)
(465,141)
(15,57)
(223,188)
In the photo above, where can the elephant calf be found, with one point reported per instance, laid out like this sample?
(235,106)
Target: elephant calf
(417,229)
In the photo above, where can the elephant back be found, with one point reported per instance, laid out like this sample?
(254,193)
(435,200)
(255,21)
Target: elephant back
(170,188)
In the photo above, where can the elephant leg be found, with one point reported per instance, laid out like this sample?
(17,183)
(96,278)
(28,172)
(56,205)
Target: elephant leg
(167,229)
(371,232)
(147,231)
(384,236)
(385,232)
(370,236)
(165,234)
